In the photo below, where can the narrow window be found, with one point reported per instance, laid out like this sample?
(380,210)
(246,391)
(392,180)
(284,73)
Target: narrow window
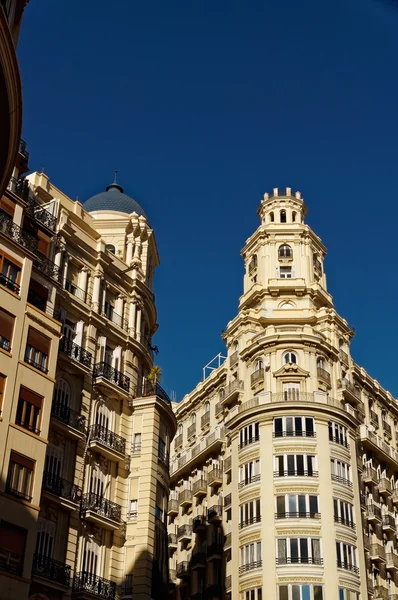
(37,350)
(3,379)
(20,476)
(10,274)
(6,329)
(13,542)
(283,216)
(293,216)
(271,217)
(285,272)
(29,410)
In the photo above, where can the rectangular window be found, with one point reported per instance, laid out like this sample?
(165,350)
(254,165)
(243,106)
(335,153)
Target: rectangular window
(293,591)
(254,594)
(249,434)
(346,557)
(137,443)
(343,512)
(341,472)
(6,329)
(250,557)
(338,433)
(250,513)
(297,506)
(29,410)
(37,295)
(291,392)
(20,476)
(346,594)
(10,274)
(301,550)
(295,465)
(249,472)
(285,272)
(37,350)
(13,541)
(294,427)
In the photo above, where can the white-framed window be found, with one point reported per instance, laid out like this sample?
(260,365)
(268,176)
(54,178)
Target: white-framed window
(249,434)
(133,509)
(297,506)
(137,442)
(304,591)
(285,251)
(298,550)
(286,272)
(346,594)
(250,556)
(291,391)
(343,512)
(249,472)
(259,364)
(53,465)
(91,561)
(294,427)
(290,357)
(193,419)
(341,471)
(207,408)
(295,465)
(103,416)
(250,512)
(346,557)
(320,362)
(98,481)
(338,433)
(253,594)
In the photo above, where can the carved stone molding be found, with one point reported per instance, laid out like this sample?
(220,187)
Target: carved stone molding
(294,579)
(297,531)
(250,538)
(250,456)
(249,496)
(250,584)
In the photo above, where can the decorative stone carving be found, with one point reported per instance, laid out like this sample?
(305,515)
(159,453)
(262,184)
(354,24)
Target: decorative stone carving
(250,538)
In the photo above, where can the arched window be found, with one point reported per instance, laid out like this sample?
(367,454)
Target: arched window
(259,364)
(253,263)
(289,357)
(283,216)
(180,429)
(62,394)
(110,248)
(285,251)
(320,362)
(271,217)
(193,419)
(294,216)
(103,416)
(221,394)
(207,407)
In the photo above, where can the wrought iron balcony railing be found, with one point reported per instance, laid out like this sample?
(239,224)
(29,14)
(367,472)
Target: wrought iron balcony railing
(51,569)
(24,153)
(295,473)
(17,234)
(60,487)
(47,266)
(40,214)
(101,506)
(299,560)
(103,369)
(343,521)
(347,566)
(183,569)
(184,531)
(297,515)
(191,431)
(18,493)
(251,521)
(150,388)
(178,440)
(249,480)
(77,292)
(298,433)
(257,376)
(205,419)
(323,374)
(109,312)
(251,440)
(233,359)
(76,352)
(92,584)
(108,438)
(250,566)
(68,416)
(9,284)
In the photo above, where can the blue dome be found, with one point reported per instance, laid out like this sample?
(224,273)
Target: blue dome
(114,198)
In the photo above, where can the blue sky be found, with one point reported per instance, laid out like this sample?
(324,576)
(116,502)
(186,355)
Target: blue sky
(202,106)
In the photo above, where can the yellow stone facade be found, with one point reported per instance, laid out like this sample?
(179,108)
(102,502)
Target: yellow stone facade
(84,435)
(284,469)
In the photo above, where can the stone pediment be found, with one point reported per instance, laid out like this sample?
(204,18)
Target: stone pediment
(291,369)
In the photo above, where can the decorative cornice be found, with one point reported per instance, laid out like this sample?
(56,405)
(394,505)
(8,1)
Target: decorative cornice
(250,584)
(250,538)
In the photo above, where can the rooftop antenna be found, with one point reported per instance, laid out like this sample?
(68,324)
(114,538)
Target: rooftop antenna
(115,180)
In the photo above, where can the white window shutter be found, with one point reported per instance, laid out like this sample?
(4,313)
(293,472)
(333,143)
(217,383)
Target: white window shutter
(293,272)
(117,358)
(78,339)
(102,346)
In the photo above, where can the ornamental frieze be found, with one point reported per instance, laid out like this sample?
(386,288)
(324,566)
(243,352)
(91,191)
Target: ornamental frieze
(296,531)
(250,456)
(250,538)
(249,584)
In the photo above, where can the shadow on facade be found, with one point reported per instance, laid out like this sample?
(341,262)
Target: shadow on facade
(202,575)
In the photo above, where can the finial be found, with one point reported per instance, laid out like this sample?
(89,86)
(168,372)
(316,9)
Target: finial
(42,169)
(115,180)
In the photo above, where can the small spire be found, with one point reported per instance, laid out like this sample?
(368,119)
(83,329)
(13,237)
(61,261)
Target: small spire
(115,180)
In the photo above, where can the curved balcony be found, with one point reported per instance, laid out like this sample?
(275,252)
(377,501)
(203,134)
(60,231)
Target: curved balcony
(250,566)
(297,515)
(297,560)
(101,511)
(47,267)
(77,353)
(152,388)
(347,566)
(68,493)
(249,522)
(106,442)
(88,583)
(112,381)
(17,234)
(69,420)
(50,569)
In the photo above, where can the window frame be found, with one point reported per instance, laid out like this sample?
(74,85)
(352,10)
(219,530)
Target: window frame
(26,470)
(293,431)
(29,410)
(6,343)
(17,283)
(292,467)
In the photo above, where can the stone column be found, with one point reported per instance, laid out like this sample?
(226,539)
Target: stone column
(129,252)
(97,296)
(132,318)
(119,310)
(138,329)
(83,276)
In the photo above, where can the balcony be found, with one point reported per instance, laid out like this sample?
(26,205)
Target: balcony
(257,377)
(191,433)
(228,464)
(184,533)
(173,507)
(343,521)
(227,541)
(109,444)
(373,513)
(199,488)
(10,284)
(198,560)
(302,515)
(374,418)
(219,408)
(185,498)
(228,582)
(233,359)
(344,358)
(214,551)
(205,420)
(388,523)
(11,562)
(232,391)
(370,476)
(88,583)
(47,267)
(110,379)
(198,453)
(183,570)
(152,388)
(387,429)
(350,392)
(65,490)
(33,208)
(382,450)
(227,501)
(249,480)
(347,566)
(101,511)
(73,422)
(381,592)
(17,234)
(50,569)
(178,441)
(253,565)
(385,487)
(214,477)
(214,514)
(252,521)
(172,541)
(199,524)
(77,292)
(109,312)
(377,552)
(324,376)
(75,352)
(391,561)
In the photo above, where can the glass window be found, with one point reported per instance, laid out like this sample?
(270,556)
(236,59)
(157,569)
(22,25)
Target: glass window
(10,274)
(29,410)
(20,476)
(289,357)
(6,329)
(294,427)
(37,350)
(285,273)
(285,251)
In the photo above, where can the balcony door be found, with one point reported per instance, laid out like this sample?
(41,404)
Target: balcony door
(54,460)
(103,416)
(62,395)
(291,391)
(46,531)
(97,481)
(91,564)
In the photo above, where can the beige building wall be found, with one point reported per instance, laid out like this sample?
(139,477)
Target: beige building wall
(303,499)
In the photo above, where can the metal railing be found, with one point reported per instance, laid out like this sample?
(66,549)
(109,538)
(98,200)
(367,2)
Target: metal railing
(17,234)
(47,266)
(299,560)
(184,531)
(257,376)
(377,550)
(33,363)
(234,386)
(92,584)
(103,369)
(347,385)
(228,582)
(101,506)
(178,440)
(214,511)
(112,440)
(344,357)
(151,388)
(205,419)
(214,475)
(51,569)
(109,312)
(39,213)
(18,493)
(9,284)
(23,152)
(185,496)
(233,359)
(344,521)
(297,515)
(183,569)
(219,408)
(77,292)
(347,566)
(68,416)
(11,562)
(295,473)
(249,480)
(252,521)
(173,506)
(76,352)
(250,566)
(373,511)
(388,521)
(198,522)
(323,374)
(251,440)
(387,428)
(299,433)
(172,539)
(191,431)
(60,487)
(199,486)
(374,418)
(227,500)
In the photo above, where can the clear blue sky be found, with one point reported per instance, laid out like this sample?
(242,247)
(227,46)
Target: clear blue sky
(203,106)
